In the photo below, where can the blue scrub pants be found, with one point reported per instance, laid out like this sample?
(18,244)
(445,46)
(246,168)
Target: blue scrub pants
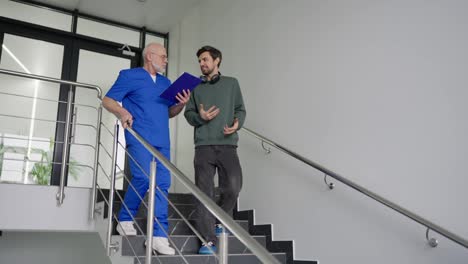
(140,181)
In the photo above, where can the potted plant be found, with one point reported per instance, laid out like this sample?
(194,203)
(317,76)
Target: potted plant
(42,170)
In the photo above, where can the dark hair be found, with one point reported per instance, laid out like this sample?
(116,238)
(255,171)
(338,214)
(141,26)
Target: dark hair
(214,53)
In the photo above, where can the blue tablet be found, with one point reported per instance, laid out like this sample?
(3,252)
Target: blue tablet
(186,81)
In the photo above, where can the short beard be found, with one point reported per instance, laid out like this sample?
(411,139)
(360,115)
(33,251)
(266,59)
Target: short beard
(158,68)
(208,73)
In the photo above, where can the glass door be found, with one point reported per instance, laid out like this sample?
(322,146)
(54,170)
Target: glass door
(28,110)
(101,69)
(33,113)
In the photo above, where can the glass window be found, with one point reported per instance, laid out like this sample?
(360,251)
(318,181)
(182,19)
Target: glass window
(108,32)
(26,138)
(102,70)
(36,15)
(152,38)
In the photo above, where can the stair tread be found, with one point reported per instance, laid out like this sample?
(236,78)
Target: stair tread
(230,254)
(189,236)
(185,240)
(132,245)
(210,259)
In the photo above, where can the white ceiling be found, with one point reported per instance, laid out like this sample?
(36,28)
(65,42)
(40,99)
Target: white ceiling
(155,15)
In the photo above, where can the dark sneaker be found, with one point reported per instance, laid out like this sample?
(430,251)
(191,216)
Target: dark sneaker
(219,230)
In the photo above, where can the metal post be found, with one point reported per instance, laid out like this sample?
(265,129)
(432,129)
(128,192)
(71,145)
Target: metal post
(73,121)
(65,150)
(92,212)
(262,254)
(223,246)
(110,213)
(150,217)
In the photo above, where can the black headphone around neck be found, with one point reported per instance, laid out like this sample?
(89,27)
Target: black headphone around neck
(214,79)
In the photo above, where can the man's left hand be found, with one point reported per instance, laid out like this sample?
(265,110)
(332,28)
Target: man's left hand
(184,97)
(233,128)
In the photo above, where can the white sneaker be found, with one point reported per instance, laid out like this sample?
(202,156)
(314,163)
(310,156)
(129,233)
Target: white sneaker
(126,228)
(161,245)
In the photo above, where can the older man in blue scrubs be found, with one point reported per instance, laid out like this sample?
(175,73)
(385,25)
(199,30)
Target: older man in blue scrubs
(138,89)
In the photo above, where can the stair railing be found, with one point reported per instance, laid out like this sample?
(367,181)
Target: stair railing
(217,211)
(148,206)
(428,224)
(223,217)
(68,123)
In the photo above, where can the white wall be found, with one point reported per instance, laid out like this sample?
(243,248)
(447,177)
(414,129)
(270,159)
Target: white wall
(184,42)
(373,90)
(51,248)
(34,207)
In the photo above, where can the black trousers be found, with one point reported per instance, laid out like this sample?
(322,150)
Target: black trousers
(209,160)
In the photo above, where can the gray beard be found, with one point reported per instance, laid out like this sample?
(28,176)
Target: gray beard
(158,68)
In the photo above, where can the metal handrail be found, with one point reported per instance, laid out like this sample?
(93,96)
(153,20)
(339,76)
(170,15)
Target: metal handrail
(219,213)
(54,80)
(213,208)
(442,231)
(109,245)
(149,206)
(92,207)
(145,205)
(65,149)
(48,141)
(50,121)
(48,100)
(60,194)
(53,163)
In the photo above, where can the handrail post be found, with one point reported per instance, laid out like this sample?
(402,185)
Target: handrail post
(110,212)
(150,217)
(263,255)
(223,246)
(65,149)
(92,209)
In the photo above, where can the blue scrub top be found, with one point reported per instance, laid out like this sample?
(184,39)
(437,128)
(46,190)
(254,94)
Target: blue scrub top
(139,94)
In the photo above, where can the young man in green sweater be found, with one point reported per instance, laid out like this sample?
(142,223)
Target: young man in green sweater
(216,110)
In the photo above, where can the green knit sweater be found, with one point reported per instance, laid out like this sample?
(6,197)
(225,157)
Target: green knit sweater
(224,94)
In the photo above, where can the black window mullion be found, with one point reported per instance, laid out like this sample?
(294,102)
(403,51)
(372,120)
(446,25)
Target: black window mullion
(69,71)
(2,36)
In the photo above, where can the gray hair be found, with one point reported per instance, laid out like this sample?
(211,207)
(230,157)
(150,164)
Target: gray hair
(145,50)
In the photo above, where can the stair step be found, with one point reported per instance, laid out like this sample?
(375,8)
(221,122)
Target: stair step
(178,226)
(187,210)
(204,259)
(182,198)
(185,240)
(186,204)
(186,244)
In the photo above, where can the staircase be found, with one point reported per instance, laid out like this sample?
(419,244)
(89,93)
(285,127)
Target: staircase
(186,241)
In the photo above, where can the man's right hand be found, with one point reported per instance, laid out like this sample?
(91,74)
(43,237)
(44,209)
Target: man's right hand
(121,113)
(126,118)
(209,114)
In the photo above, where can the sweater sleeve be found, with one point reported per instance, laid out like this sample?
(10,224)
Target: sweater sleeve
(191,112)
(239,107)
